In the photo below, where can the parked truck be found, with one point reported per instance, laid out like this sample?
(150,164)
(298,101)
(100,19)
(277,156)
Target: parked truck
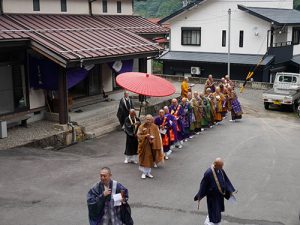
(285,91)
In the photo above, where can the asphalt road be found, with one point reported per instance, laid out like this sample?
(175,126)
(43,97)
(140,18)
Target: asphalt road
(261,154)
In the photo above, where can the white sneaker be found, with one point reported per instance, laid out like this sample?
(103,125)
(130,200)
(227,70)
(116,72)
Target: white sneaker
(126,161)
(211,126)
(202,129)
(166,157)
(185,140)
(180,146)
(191,137)
(149,175)
(143,176)
(198,133)
(155,165)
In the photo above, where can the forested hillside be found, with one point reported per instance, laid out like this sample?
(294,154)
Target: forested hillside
(162,8)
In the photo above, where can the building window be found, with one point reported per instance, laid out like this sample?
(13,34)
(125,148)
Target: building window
(191,36)
(63,4)
(241,42)
(104,6)
(36,5)
(296,36)
(223,38)
(119,7)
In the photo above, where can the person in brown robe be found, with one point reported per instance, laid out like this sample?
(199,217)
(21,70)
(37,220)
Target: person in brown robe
(150,150)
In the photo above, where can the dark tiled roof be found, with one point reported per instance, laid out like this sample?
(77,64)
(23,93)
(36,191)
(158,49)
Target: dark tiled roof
(76,37)
(276,15)
(182,10)
(215,57)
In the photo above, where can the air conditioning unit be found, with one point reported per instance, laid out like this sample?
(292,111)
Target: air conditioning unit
(195,70)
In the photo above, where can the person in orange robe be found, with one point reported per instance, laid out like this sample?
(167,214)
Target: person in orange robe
(150,149)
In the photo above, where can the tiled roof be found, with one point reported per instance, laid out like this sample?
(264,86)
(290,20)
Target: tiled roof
(275,15)
(246,59)
(76,37)
(135,24)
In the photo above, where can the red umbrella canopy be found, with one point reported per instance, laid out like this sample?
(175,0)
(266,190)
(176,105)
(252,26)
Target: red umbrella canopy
(145,84)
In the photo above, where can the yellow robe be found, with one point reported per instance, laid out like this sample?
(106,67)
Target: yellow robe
(184,89)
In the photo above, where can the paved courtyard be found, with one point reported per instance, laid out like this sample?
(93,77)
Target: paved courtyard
(261,155)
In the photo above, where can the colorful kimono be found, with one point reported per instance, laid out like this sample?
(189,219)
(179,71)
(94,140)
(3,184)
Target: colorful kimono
(172,128)
(177,112)
(234,106)
(206,113)
(215,199)
(219,101)
(101,209)
(164,128)
(186,119)
(196,104)
(184,89)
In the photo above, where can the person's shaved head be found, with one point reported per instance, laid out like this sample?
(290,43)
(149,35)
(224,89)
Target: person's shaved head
(132,113)
(166,109)
(218,163)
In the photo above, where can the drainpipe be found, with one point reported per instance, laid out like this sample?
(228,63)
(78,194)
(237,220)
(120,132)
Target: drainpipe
(91,7)
(73,132)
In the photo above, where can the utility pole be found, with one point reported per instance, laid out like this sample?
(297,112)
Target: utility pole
(229,28)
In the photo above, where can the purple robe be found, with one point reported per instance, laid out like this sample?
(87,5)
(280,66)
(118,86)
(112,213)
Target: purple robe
(159,121)
(178,116)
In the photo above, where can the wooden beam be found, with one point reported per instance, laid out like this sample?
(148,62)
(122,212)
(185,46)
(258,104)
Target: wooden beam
(63,96)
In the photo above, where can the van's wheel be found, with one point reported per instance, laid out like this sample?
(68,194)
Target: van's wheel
(294,106)
(267,105)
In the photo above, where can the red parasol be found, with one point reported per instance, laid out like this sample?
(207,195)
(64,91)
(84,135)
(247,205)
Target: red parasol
(145,84)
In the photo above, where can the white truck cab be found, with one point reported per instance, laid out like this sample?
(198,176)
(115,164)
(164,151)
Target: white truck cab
(285,91)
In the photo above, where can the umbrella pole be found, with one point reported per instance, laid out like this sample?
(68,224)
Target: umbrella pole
(140,109)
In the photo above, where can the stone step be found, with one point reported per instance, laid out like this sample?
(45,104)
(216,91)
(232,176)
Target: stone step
(81,102)
(99,119)
(100,123)
(102,130)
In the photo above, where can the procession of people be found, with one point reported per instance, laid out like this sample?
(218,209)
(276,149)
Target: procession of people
(151,142)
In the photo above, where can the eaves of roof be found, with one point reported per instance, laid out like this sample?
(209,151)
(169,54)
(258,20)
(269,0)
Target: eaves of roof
(277,16)
(180,11)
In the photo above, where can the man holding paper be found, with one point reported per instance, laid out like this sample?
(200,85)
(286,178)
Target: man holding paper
(216,186)
(104,200)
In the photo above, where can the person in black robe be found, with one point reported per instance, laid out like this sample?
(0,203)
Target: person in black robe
(130,127)
(216,186)
(124,107)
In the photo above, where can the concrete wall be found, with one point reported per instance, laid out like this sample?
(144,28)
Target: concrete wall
(106,78)
(112,7)
(212,17)
(46,6)
(73,7)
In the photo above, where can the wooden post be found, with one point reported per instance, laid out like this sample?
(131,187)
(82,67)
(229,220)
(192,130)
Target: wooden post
(143,65)
(63,97)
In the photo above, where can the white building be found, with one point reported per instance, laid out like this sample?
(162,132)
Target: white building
(53,52)
(199,38)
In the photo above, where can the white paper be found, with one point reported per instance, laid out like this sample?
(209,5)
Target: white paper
(117,199)
(163,131)
(232,199)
